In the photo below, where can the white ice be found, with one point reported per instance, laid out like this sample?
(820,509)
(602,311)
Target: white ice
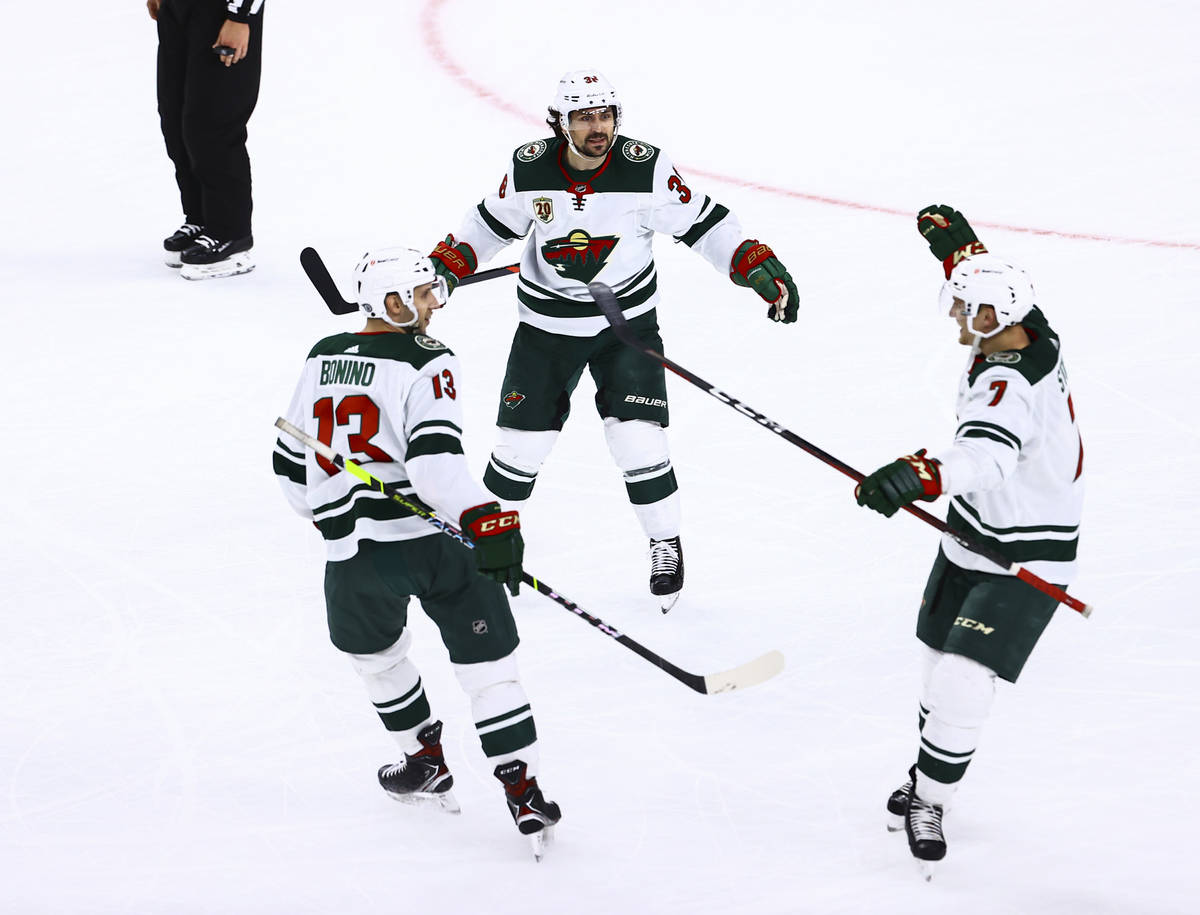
(177,735)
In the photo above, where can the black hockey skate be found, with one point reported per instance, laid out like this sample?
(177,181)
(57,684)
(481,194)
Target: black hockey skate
(666,571)
(211,258)
(182,239)
(923,824)
(533,814)
(423,777)
(897,804)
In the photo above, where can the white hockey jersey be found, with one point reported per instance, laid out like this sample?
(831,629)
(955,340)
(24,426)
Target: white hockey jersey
(597,226)
(1015,470)
(389,402)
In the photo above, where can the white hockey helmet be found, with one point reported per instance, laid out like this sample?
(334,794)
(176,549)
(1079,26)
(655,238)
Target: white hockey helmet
(399,270)
(985,279)
(580,90)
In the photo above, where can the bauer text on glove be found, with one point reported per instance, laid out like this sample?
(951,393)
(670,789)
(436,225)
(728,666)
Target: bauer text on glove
(755,265)
(453,260)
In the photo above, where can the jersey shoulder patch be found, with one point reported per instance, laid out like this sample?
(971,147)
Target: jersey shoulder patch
(630,168)
(1034,362)
(535,166)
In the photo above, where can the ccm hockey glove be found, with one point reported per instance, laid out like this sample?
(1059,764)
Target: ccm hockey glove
(499,547)
(895,485)
(453,261)
(755,265)
(950,236)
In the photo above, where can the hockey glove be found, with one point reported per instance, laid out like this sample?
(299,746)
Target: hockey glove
(950,236)
(755,265)
(895,485)
(453,260)
(499,547)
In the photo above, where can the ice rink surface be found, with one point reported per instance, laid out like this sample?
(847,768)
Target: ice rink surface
(177,735)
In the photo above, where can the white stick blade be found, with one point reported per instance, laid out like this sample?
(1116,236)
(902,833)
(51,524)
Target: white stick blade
(749,674)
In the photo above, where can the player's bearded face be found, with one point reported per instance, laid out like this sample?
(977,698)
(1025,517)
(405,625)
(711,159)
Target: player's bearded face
(592,130)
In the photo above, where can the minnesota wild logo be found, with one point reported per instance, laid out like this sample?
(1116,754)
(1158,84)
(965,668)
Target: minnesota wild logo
(636,151)
(579,256)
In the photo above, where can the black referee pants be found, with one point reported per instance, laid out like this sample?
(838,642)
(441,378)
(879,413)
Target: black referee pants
(203,107)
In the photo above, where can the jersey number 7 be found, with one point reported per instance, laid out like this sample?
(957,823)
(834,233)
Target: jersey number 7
(359,442)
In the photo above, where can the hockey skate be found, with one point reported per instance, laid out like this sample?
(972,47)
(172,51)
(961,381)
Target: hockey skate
(181,239)
(422,778)
(923,824)
(534,815)
(209,258)
(897,804)
(666,571)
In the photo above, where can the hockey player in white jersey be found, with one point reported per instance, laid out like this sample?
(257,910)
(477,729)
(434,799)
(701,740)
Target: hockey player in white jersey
(1014,477)
(387,397)
(589,201)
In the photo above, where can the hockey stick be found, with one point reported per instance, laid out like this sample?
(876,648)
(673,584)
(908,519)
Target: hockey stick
(318,275)
(607,302)
(745,675)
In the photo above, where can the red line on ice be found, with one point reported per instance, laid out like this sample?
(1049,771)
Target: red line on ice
(431,33)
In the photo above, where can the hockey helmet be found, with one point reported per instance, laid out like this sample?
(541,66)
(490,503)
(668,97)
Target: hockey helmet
(985,279)
(580,90)
(399,270)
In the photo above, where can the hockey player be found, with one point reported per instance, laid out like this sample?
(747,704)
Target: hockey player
(387,397)
(1014,475)
(589,201)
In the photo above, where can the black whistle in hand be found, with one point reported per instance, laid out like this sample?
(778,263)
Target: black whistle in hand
(223,50)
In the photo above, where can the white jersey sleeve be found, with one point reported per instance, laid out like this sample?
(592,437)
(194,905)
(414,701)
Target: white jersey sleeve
(499,219)
(289,461)
(995,416)
(707,227)
(433,421)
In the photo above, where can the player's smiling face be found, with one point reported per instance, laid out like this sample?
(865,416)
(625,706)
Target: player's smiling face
(592,130)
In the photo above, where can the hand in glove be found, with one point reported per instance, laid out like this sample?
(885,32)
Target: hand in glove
(755,265)
(499,547)
(453,260)
(899,483)
(950,236)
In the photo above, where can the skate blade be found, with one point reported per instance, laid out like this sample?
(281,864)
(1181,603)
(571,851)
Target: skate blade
(667,601)
(926,870)
(539,841)
(172,259)
(231,266)
(895,822)
(445,801)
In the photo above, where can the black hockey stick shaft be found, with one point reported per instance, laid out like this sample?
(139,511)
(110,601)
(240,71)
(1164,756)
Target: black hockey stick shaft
(697,682)
(318,275)
(607,302)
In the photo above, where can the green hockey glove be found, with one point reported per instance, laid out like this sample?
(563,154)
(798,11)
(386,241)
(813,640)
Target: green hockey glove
(453,260)
(755,265)
(499,547)
(895,485)
(950,236)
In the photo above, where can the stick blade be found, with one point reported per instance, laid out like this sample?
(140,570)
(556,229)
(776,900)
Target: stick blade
(751,673)
(317,273)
